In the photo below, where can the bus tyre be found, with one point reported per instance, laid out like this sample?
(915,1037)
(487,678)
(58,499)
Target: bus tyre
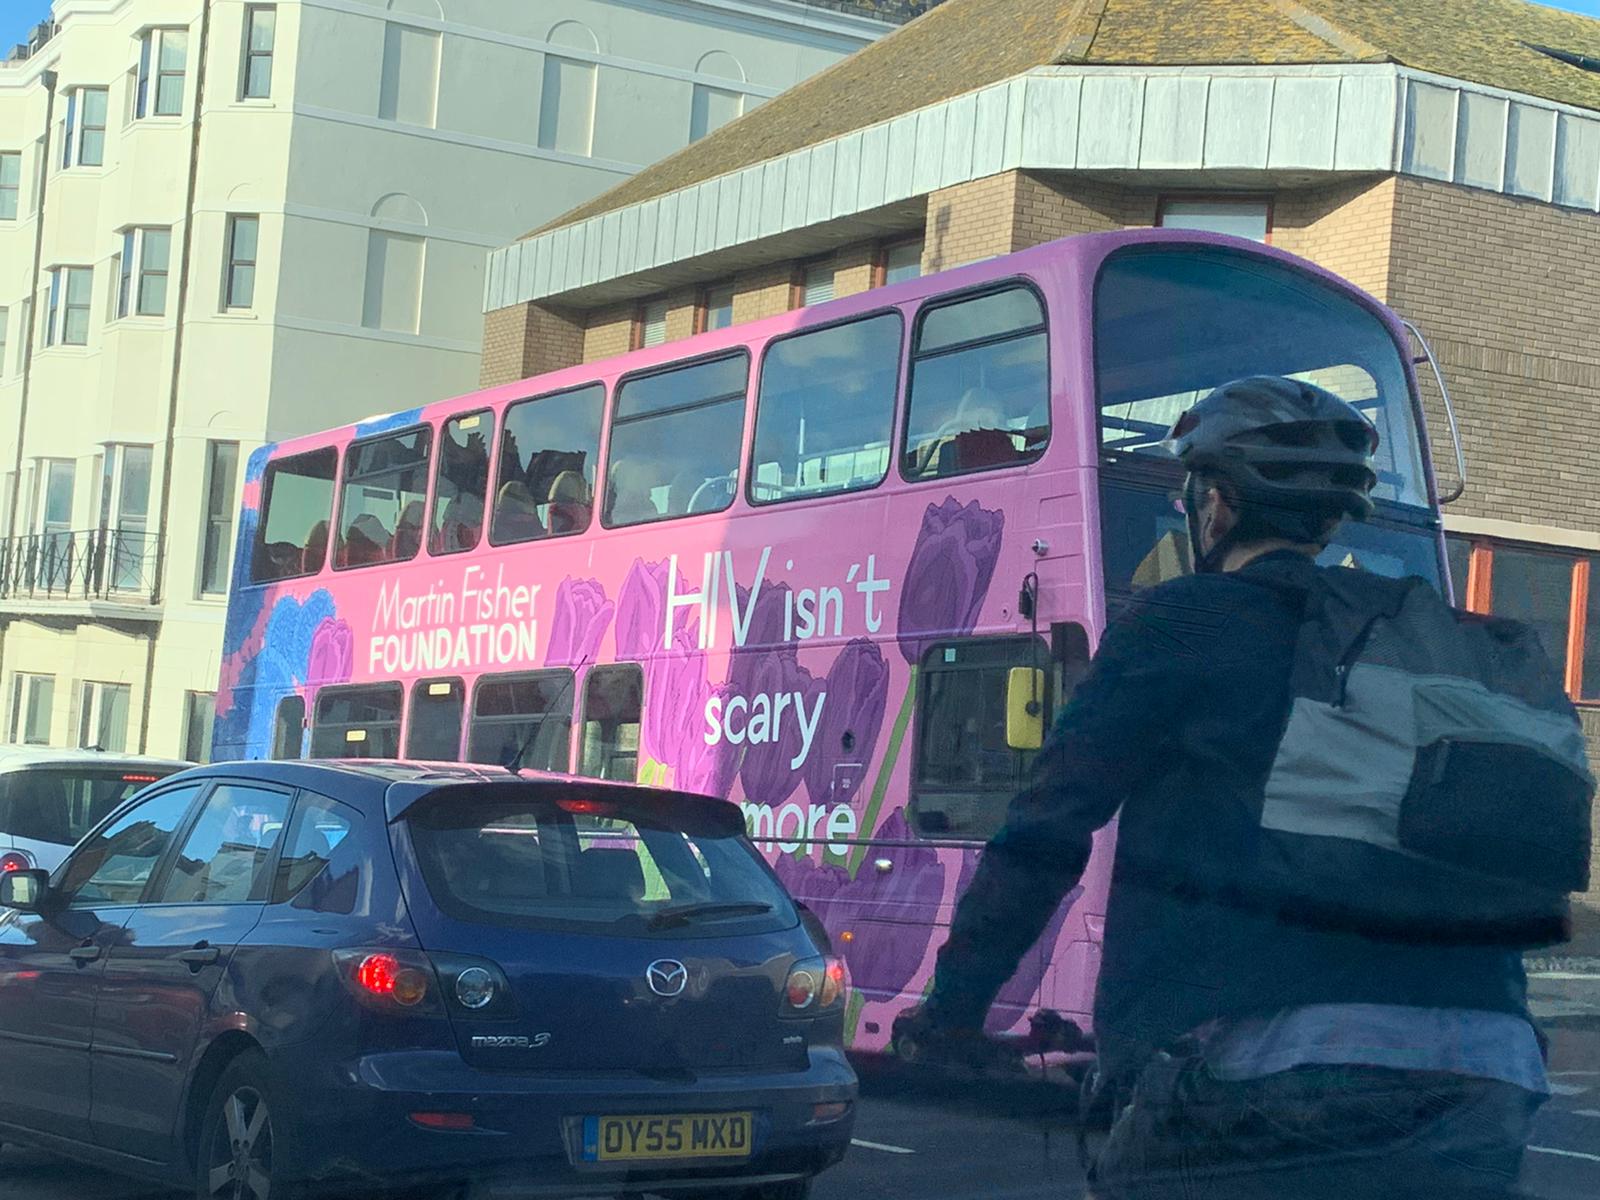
(244,1153)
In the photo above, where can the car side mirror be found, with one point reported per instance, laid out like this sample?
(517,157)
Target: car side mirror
(24,890)
(1024,708)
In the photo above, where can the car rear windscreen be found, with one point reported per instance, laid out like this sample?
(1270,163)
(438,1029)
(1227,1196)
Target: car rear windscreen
(61,804)
(593,867)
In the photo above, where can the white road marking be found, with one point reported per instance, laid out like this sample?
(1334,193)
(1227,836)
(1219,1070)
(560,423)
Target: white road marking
(1589,975)
(880,1146)
(1586,1112)
(1568,1074)
(1565,1153)
(1568,1089)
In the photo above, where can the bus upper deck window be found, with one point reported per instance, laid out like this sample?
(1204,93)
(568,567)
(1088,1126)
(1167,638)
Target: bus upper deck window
(461,483)
(675,441)
(826,410)
(979,396)
(548,450)
(297,498)
(381,502)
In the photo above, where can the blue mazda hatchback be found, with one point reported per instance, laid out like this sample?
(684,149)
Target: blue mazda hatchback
(263,979)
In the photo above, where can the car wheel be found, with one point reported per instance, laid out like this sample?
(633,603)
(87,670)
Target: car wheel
(243,1154)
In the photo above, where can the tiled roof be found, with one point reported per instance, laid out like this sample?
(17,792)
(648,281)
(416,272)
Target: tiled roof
(962,45)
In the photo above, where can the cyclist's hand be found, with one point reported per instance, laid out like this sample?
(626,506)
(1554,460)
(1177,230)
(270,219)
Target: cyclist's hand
(919,1037)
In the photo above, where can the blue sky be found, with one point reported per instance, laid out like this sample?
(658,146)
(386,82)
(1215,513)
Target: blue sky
(18,16)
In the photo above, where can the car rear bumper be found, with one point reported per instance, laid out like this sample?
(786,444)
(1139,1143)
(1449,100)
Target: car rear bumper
(526,1129)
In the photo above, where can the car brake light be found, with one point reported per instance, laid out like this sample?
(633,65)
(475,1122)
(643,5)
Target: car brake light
(586,807)
(15,860)
(140,778)
(387,980)
(445,1120)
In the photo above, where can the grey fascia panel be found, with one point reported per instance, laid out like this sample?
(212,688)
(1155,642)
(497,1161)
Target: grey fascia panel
(1173,133)
(819,197)
(610,243)
(846,176)
(872,187)
(1577,182)
(1011,158)
(1050,122)
(1367,120)
(1481,140)
(628,241)
(989,135)
(960,131)
(1531,152)
(1305,123)
(1110,116)
(1339,117)
(901,159)
(1238,121)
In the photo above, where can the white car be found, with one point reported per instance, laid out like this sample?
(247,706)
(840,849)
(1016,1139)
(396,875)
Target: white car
(50,798)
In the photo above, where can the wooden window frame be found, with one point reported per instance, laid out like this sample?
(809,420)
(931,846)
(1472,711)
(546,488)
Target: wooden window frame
(1180,197)
(1480,599)
(880,256)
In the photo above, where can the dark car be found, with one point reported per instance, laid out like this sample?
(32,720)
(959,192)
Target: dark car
(257,976)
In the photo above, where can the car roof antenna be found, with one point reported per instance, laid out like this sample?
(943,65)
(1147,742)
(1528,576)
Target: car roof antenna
(514,763)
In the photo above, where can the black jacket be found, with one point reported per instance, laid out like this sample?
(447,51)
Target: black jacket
(1176,725)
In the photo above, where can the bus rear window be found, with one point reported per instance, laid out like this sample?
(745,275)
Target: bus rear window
(1172,323)
(382,501)
(297,499)
(357,722)
(59,805)
(529,713)
(675,441)
(979,396)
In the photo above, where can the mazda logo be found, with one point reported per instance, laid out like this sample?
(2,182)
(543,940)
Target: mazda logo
(667,977)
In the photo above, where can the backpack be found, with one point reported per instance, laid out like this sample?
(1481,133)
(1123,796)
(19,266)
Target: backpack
(1432,782)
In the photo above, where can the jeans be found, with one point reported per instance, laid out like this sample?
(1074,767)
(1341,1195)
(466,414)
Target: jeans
(1314,1133)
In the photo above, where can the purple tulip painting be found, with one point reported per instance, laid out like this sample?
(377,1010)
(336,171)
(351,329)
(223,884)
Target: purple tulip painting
(582,616)
(889,916)
(641,611)
(332,658)
(847,732)
(948,577)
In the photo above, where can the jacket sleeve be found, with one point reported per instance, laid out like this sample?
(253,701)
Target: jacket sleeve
(1106,743)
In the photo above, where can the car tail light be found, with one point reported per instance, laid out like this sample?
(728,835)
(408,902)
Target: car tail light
(815,984)
(16,860)
(473,987)
(457,1122)
(395,981)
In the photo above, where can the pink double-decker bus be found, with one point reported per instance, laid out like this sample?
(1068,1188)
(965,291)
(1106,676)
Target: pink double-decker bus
(840,566)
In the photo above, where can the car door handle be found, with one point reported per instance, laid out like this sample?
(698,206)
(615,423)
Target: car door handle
(200,956)
(84,955)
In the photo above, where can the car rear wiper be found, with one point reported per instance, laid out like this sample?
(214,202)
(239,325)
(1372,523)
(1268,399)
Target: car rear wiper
(683,913)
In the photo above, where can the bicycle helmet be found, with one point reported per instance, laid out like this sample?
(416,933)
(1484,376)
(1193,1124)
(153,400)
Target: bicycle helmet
(1295,456)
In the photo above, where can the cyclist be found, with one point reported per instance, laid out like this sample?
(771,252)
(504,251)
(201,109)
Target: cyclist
(1256,1057)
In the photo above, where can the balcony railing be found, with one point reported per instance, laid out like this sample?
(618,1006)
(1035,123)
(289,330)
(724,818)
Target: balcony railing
(92,564)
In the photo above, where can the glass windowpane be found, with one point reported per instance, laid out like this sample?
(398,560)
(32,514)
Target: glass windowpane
(1536,588)
(548,450)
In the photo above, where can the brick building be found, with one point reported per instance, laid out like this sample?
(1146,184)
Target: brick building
(1443,155)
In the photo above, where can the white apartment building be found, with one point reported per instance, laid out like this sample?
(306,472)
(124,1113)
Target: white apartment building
(224,222)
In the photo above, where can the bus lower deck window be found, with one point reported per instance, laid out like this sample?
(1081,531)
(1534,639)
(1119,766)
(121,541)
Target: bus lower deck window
(612,699)
(433,731)
(529,714)
(357,722)
(288,726)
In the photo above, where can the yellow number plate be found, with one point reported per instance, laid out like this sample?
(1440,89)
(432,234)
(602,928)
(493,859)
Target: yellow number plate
(678,1135)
